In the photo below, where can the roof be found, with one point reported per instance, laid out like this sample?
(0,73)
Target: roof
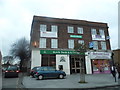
(68,21)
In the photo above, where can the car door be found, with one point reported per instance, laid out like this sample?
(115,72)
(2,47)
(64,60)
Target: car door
(46,72)
(52,72)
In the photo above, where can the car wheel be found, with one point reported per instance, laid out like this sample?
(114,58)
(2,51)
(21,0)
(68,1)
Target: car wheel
(61,76)
(40,77)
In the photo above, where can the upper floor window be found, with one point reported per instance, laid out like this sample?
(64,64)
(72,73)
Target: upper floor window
(70,29)
(101,31)
(54,43)
(43,27)
(71,43)
(93,31)
(81,41)
(42,43)
(80,30)
(103,45)
(54,28)
(95,45)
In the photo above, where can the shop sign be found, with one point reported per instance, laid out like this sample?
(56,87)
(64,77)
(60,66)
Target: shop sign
(48,34)
(75,36)
(60,52)
(98,37)
(91,44)
(100,55)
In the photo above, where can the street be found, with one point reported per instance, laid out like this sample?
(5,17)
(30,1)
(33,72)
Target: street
(10,82)
(71,81)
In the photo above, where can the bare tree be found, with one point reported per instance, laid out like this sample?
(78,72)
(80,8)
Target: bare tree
(81,48)
(21,49)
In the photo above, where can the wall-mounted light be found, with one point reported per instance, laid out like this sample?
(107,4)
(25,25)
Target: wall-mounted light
(35,44)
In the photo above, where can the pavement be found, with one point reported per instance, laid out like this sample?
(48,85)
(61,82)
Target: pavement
(72,81)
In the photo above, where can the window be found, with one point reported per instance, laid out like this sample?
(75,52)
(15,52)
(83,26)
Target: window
(54,28)
(93,31)
(101,32)
(80,30)
(103,45)
(70,29)
(71,44)
(95,45)
(54,43)
(43,27)
(81,41)
(42,43)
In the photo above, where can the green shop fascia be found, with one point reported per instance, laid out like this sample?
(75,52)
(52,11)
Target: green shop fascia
(63,52)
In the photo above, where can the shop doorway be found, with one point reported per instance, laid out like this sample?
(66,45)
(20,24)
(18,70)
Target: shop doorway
(101,66)
(75,64)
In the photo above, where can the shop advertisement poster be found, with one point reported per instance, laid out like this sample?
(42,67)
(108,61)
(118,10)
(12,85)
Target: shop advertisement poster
(100,55)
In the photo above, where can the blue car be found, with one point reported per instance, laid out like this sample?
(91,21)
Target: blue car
(49,72)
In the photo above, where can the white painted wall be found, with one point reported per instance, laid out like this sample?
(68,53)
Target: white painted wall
(66,64)
(35,58)
(88,65)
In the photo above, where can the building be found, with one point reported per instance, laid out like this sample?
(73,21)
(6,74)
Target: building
(53,41)
(0,59)
(116,56)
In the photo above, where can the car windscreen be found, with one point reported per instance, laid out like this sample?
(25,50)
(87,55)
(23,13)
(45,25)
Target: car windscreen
(12,68)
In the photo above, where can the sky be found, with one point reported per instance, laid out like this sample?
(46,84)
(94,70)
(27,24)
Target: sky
(16,16)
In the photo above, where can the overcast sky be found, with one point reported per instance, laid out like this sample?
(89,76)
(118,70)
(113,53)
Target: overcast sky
(16,16)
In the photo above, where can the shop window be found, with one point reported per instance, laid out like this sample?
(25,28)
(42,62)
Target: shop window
(48,60)
(101,66)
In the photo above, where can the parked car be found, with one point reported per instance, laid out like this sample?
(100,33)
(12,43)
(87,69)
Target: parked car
(11,71)
(34,70)
(49,72)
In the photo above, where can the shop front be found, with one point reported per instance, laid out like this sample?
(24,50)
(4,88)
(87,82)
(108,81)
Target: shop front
(101,66)
(60,59)
(99,62)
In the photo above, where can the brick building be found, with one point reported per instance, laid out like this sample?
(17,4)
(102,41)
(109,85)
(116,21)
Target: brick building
(53,41)
(116,56)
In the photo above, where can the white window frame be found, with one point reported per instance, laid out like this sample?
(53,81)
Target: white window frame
(93,31)
(79,30)
(54,43)
(71,43)
(54,28)
(43,27)
(101,31)
(42,43)
(81,42)
(95,45)
(103,46)
(70,29)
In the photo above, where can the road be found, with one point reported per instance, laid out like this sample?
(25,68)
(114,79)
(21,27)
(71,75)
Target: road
(10,82)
